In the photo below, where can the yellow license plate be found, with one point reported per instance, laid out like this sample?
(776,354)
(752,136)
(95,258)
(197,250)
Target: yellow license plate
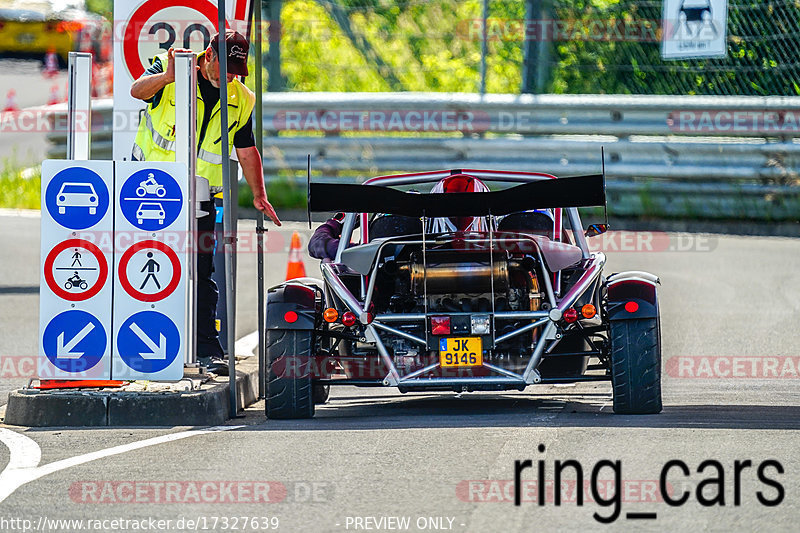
(460,351)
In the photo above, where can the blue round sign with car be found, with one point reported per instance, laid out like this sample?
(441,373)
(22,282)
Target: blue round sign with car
(151,199)
(77,198)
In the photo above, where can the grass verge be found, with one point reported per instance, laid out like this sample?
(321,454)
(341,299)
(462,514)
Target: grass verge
(20,187)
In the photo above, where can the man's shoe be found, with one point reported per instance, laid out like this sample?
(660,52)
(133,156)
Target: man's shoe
(216,365)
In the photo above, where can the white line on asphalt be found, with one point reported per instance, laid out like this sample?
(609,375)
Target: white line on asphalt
(26,454)
(25,213)
(246,346)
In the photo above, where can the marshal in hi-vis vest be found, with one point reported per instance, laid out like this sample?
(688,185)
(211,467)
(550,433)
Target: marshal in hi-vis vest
(155,139)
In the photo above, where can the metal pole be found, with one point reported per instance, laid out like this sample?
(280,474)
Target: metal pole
(79,106)
(260,229)
(531,46)
(186,152)
(275,79)
(229,225)
(484,46)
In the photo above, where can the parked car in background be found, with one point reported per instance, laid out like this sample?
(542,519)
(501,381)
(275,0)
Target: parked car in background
(32,29)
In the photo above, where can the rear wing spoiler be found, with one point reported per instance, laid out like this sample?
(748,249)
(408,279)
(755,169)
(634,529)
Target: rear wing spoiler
(581,191)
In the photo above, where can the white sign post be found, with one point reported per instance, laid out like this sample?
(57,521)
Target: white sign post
(146,28)
(694,29)
(153,246)
(75,295)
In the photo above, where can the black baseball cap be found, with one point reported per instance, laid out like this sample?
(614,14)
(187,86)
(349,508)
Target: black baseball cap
(237,51)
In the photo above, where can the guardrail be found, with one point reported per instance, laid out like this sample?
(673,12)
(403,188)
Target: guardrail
(705,157)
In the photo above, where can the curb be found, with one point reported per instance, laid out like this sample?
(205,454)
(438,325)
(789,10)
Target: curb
(205,407)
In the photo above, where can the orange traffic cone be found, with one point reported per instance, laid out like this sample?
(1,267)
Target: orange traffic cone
(95,80)
(11,101)
(54,96)
(295,268)
(50,64)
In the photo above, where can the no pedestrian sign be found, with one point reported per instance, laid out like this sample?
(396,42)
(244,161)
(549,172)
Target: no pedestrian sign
(151,283)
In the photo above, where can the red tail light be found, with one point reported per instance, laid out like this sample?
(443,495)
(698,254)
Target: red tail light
(348,318)
(290,317)
(570,316)
(440,325)
(631,307)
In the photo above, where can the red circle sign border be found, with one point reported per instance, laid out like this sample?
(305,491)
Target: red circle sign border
(130,50)
(75,243)
(122,271)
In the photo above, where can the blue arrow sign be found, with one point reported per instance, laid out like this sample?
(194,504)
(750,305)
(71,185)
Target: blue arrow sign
(151,199)
(77,198)
(148,342)
(74,341)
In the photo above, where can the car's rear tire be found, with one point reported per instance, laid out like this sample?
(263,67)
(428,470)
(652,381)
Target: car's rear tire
(289,361)
(636,366)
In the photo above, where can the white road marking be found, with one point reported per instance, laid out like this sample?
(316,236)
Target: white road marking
(246,346)
(26,454)
(24,213)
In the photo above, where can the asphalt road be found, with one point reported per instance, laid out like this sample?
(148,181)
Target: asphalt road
(372,457)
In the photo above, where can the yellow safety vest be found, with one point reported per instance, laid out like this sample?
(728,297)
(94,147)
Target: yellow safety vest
(155,139)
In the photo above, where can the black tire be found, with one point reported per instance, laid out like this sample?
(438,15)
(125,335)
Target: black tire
(636,366)
(289,361)
(321,393)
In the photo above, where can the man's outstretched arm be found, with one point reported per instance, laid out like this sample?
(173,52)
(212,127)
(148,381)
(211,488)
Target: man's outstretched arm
(250,161)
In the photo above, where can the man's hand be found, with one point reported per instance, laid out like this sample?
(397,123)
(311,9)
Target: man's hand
(250,161)
(263,205)
(169,72)
(147,86)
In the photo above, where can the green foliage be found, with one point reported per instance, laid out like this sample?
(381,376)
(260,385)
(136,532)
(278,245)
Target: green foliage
(21,187)
(429,46)
(283,193)
(435,45)
(101,7)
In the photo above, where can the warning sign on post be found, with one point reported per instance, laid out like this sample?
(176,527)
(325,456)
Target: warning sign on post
(75,294)
(153,247)
(694,28)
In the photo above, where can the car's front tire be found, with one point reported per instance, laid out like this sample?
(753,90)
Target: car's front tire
(636,366)
(290,392)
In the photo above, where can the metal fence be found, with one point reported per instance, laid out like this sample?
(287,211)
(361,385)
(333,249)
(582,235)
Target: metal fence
(532,46)
(705,157)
